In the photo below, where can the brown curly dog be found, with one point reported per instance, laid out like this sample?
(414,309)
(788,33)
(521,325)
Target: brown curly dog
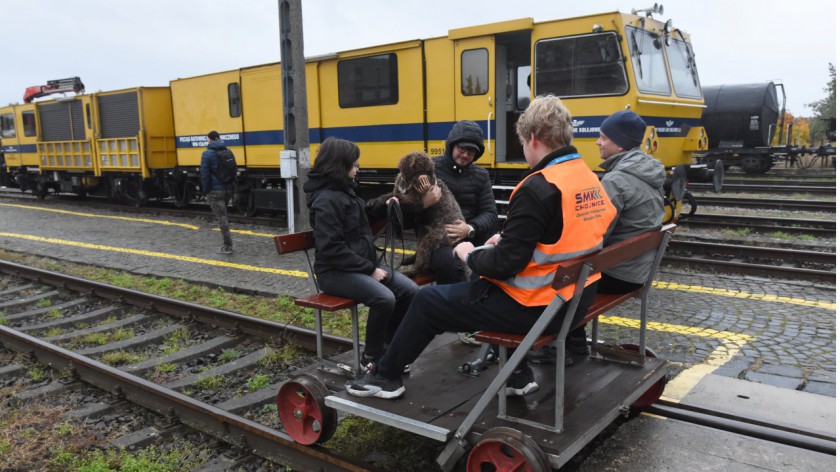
(416,177)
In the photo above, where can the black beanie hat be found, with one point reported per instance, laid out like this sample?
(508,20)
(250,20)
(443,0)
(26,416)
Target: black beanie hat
(624,128)
(214,135)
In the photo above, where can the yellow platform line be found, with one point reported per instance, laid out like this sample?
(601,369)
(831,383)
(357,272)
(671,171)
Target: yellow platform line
(744,295)
(678,387)
(92,215)
(160,255)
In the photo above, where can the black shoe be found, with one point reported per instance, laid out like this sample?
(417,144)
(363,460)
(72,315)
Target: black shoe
(226,249)
(367,364)
(547,355)
(577,343)
(375,385)
(521,382)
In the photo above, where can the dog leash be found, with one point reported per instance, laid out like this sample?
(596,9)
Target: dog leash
(393,229)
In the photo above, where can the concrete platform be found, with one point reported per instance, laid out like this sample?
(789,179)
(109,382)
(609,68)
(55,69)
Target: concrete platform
(652,444)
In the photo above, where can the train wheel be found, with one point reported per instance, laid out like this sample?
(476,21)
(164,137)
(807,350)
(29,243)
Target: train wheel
(717,177)
(41,191)
(505,449)
(305,416)
(654,392)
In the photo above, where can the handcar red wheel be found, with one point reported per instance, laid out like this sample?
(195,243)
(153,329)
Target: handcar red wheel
(655,391)
(305,416)
(505,449)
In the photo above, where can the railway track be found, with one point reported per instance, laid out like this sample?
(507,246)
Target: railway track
(764,203)
(228,420)
(76,326)
(824,228)
(753,260)
(769,188)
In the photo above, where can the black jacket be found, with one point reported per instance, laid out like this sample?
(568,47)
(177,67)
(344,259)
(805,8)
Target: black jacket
(534,215)
(343,239)
(471,184)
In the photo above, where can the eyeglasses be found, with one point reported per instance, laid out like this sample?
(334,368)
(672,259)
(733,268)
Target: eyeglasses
(466,150)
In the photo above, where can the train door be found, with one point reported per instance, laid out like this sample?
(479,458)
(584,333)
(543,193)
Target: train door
(475,87)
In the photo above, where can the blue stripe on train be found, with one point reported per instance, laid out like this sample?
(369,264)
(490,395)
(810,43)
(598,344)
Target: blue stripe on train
(584,127)
(23,148)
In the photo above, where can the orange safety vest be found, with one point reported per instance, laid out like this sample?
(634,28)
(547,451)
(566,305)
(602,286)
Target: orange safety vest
(587,214)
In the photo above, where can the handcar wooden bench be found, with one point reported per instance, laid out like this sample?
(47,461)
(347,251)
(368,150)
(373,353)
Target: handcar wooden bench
(542,430)
(321,302)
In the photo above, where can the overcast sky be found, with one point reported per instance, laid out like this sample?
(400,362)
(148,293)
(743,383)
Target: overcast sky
(113,44)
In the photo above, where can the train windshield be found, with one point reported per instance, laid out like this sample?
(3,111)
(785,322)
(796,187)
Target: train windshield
(576,66)
(683,69)
(648,61)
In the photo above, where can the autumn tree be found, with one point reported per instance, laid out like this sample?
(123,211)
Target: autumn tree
(825,110)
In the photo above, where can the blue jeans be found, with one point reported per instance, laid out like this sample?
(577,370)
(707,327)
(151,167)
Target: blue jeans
(387,301)
(466,306)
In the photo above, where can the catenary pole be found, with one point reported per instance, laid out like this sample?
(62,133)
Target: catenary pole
(295,117)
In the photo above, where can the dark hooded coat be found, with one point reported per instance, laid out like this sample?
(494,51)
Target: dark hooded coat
(471,184)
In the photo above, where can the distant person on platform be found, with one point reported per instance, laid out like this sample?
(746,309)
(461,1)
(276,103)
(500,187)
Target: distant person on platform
(218,193)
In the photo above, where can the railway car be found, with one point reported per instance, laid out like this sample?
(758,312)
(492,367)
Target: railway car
(392,99)
(746,128)
(117,144)
(741,121)
(402,97)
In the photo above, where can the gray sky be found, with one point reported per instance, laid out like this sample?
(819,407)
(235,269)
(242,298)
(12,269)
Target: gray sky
(112,44)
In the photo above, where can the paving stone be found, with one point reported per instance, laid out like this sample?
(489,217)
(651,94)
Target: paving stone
(821,388)
(775,380)
(781,370)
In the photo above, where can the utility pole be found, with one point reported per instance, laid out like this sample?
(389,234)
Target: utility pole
(295,116)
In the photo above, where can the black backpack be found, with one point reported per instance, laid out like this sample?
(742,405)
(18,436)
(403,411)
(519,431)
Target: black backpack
(227,166)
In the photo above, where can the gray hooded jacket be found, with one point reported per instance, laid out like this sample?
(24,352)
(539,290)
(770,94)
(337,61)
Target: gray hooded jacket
(634,180)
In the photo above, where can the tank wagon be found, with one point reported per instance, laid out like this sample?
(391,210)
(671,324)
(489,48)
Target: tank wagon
(390,99)
(742,121)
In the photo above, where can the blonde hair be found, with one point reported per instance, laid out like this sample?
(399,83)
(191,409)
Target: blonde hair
(547,119)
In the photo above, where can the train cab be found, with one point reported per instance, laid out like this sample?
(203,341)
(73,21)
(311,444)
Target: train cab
(18,136)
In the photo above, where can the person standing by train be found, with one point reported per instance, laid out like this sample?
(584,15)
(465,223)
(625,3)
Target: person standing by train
(218,193)
(345,256)
(544,226)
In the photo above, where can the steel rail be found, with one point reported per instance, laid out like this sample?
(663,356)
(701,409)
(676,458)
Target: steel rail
(791,205)
(752,427)
(783,188)
(761,224)
(257,438)
(737,250)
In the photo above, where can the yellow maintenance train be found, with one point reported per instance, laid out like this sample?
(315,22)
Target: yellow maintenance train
(146,142)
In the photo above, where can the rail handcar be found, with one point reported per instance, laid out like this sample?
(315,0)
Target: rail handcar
(117,144)
(401,97)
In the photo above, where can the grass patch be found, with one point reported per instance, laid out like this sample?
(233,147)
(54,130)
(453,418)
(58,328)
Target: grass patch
(165,368)
(177,457)
(210,382)
(229,355)
(375,443)
(44,303)
(258,382)
(740,232)
(53,332)
(176,340)
(54,314)
(3,320)
(118,358)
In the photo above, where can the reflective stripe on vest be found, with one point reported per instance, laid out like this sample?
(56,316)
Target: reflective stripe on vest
(587,214)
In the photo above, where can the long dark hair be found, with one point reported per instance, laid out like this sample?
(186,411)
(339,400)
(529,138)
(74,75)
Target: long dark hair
(335,158)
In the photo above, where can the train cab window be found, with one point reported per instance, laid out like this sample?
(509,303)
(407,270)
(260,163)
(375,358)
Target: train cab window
(683,69)
(7,126)
(577,66)
(475,72)
(368,81)
(523,87)
(29,128)
(234,100)
(648,61)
